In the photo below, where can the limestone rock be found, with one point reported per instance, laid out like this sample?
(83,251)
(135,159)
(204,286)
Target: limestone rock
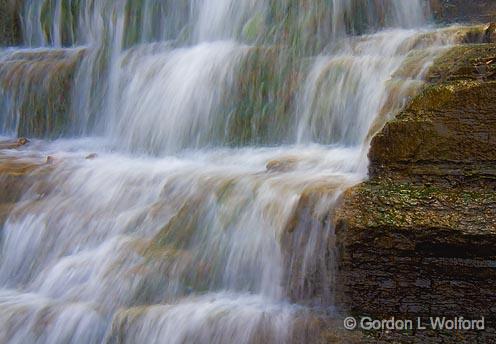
(463,10)
(448,129)
(419,238)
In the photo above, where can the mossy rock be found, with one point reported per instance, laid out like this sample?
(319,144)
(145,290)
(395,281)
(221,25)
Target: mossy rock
(38,86)
(260,110)
(409,206)
(452,120)
(475,61)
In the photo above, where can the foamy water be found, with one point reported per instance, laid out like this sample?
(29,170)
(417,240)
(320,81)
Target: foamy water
(191,198)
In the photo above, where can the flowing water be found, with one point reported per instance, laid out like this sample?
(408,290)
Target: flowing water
(200,147)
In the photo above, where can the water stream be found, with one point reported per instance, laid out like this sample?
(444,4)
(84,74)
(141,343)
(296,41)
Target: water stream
(196,151)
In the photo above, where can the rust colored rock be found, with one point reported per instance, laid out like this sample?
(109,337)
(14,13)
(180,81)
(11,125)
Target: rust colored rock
(16,175)
(22,141)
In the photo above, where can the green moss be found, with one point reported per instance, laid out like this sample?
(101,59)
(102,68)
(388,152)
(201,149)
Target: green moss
(434,98)
(70,13)
(179,230)
(402,205)
(253,28)
(260,113)
(464,62)
(133,21)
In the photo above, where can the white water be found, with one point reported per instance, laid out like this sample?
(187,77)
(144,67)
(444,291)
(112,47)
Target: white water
(170,99)
(174,233)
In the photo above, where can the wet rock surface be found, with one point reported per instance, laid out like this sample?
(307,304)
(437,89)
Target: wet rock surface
(448,130)
(419,238)
(36,85)
(10,26)
(17,174)
(463,10)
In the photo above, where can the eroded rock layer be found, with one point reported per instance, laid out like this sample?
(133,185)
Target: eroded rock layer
(463,10)
(419,238)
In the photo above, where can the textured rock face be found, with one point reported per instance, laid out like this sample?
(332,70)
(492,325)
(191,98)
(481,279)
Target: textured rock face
(10,29)
(405,239)
(449,129)
(36,88)
(17,174)
(463,10)
(419,238)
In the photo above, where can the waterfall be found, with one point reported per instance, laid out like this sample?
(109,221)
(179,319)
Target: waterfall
(189,155)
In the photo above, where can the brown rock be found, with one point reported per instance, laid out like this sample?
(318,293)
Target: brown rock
(419,238)
(449,11)
(281,165)
(22,141)
(13,144)
(448,129)
(16,175)
(91,156)
(490,33)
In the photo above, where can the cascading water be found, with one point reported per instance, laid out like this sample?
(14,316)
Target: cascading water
(225,131)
